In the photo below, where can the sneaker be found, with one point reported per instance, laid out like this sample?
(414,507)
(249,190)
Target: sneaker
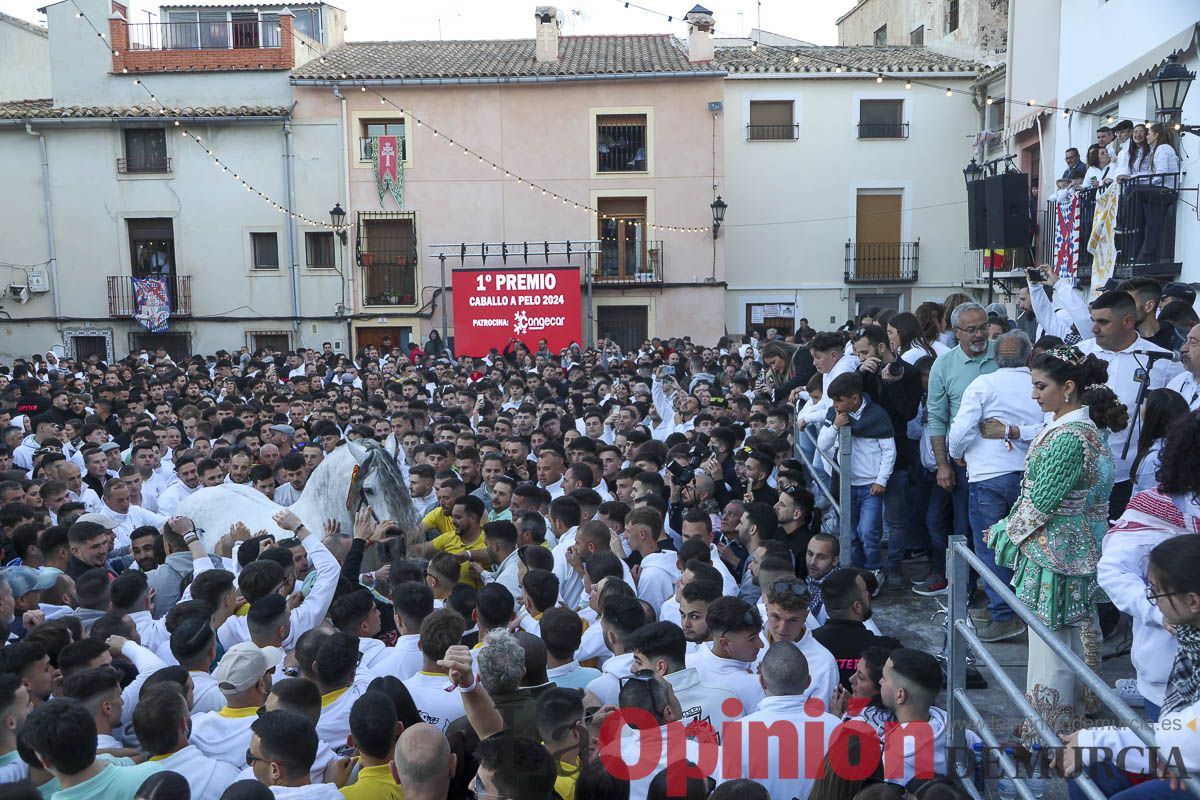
(1127,688)
(880,580)
(933,586)
(894,580)
(979,614)
(998,631)
(920,556)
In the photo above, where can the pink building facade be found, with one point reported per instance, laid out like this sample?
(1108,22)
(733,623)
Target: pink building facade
(621,124)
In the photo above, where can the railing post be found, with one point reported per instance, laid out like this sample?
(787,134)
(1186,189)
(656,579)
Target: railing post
(956,648)
(845,528)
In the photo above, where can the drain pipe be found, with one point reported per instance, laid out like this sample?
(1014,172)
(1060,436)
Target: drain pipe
(289,222)
(349,263)
(49,222)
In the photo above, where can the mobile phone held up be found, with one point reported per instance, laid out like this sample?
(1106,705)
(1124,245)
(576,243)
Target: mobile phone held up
(1035,275)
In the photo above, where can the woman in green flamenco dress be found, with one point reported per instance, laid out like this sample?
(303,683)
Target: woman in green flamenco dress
(1051,538)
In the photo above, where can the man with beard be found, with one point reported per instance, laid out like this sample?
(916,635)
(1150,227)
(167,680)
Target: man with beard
(145,544)
(820,559)
(1186,383)
(845,633)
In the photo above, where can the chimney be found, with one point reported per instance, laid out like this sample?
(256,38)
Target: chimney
(549,23)
(700,36)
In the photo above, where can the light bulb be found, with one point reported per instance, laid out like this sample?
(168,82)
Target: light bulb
(879,79)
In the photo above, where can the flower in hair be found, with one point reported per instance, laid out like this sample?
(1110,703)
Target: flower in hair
(1093,387)
(1071,355)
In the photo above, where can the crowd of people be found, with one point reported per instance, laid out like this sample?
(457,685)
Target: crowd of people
(615,551)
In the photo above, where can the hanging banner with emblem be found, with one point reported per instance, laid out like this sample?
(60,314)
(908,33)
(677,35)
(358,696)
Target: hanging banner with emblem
(152,303)
(1066,236)
(387,157)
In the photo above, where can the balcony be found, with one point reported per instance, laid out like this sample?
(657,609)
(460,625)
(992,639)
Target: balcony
(389,283)
(1129,230)
(142,166)
(121,300)
(629,263)
(772,133)
(204,46)
(883,130)
(882,262)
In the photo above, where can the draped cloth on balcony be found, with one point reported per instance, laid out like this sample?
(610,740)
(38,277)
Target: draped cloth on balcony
(1066,235)
(152,303)
(1102,244)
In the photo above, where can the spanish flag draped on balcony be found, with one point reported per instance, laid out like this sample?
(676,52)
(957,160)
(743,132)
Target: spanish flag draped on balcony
(389,168)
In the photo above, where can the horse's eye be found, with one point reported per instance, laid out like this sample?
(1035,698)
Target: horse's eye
(369,490)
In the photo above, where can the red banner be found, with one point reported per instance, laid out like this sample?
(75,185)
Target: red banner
(492,306)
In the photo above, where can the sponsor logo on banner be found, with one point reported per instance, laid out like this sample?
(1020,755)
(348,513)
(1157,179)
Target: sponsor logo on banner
(492,306)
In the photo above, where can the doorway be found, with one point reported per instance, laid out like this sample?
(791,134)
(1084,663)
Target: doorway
(373,337)
(622,237)
(877,234)
(625,325)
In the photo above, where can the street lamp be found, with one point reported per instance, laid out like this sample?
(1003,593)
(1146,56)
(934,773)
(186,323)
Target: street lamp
(718,207)
(1170,87)
(337,216)
(972,172)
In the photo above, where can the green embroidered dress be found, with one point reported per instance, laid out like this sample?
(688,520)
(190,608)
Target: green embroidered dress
(1051,538)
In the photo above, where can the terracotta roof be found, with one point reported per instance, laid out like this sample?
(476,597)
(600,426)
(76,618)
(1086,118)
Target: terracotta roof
(45,109)
(857,58)
(502,58)
(17,22)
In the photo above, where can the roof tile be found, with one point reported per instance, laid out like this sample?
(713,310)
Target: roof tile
(578,55)
(45,109)
(857,58)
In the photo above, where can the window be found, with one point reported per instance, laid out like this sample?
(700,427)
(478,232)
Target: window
(273,341)
(628,326)
(87,346)
(177,345)
(387,250)
(881,36)
(371,129)
(995,115)
(952,16)
(266,250)
(181,32)
(214,30)
(318,247)
(771,120)
(621,143)
(305,22)
(623,245)
(151,247)
(917,37)
(881,119)
(145,151)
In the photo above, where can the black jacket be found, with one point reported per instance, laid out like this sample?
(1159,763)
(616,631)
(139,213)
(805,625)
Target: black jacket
(901,400)
(847,639)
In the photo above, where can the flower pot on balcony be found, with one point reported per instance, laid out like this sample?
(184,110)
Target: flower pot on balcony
(406,299)
(401,261)
(367,259)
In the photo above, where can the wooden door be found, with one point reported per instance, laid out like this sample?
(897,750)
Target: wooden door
(373,337)
(877,236)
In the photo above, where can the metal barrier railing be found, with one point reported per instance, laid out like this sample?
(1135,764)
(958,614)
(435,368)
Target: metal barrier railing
(961,635)
(842,467)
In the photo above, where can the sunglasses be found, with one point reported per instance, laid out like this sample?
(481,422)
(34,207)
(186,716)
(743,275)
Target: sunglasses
(790,586)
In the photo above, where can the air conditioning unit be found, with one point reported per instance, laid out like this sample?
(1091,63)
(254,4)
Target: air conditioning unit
(18,292)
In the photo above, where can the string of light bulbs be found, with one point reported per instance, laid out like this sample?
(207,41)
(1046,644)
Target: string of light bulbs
(909,81)
(172,114)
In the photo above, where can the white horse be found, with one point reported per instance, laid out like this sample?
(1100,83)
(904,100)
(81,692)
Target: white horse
(357,473)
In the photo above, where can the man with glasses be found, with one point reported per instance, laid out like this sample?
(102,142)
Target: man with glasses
(948,380)
(787,601)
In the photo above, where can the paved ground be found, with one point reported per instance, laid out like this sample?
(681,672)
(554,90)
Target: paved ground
(908,617)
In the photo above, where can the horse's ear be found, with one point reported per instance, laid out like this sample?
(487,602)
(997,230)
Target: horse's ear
(356,450)
(391,445)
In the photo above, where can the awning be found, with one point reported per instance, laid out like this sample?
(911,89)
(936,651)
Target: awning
(1135,70)
(1024,123)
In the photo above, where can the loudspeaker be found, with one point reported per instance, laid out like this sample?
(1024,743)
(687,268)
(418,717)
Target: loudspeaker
(976,215)
(1007,196)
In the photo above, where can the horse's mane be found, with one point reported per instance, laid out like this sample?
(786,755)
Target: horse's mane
(380,463)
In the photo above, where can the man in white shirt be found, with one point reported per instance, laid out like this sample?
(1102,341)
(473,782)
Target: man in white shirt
(565,517)
(411,602)
(787,600)
(119,508)
(501,538)
(295,475)
(161,723)
(282,749)
(244,676)
(187,481)
(436,697)
(550,470)
(658,571)
(99,691)
(334,668)
(994,466)
(1187,383)
(728,660)
(1116,341)
(784,674)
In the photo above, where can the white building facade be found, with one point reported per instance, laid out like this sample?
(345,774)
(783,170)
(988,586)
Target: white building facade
(844,192)
(102,186)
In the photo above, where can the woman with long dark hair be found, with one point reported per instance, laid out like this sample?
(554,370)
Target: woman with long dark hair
(1168,509)
(1051,537)
(1155,197)
(909,341)
(1162,408)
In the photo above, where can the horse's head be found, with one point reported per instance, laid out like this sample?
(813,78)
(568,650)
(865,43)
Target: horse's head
(376,481)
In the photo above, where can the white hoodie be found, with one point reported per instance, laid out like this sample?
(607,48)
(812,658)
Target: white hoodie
(208,777)
(737,676)
(1150,518)
(313,791)
(762,765)
(656,581)
(701,703)
(1172,734)
(608,686)
(822,666)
